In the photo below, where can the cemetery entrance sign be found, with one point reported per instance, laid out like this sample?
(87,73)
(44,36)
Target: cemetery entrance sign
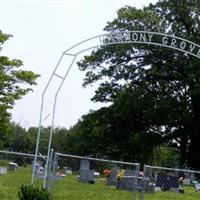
(144,37)
(114,38)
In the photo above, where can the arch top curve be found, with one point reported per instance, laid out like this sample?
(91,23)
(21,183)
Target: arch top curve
(136,37)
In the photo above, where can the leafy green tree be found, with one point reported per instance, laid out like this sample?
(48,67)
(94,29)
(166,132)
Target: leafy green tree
(166,157)
(20,140)
(111,132)
(44,139)
(13,82)
(163,84)
(60,138)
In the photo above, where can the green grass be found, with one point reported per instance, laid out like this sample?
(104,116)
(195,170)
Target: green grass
(69,188)
(190,194)
(11,182)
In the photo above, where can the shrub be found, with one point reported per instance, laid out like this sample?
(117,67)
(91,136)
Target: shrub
(33,193)
(4,163)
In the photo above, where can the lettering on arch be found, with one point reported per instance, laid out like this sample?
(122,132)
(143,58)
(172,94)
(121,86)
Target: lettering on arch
(154,38)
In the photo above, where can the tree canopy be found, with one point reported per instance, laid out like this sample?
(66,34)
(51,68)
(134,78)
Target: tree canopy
(156,90)
(153,94)
(14,84)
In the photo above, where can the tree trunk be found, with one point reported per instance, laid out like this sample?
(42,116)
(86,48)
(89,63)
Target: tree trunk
(194,148)
(183,150)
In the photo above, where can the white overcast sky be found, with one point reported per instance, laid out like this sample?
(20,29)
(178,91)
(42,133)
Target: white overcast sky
(42,30)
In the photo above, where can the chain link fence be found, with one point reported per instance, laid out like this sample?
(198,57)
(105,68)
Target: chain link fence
(177,183)
(75,177)
(16,169)
(85,178)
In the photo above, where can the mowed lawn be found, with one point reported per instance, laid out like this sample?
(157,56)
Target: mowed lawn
(69,188)
(11,182)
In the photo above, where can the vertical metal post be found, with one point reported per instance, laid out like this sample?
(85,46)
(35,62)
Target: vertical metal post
(53,117)
(49,170)
(40,121)
(38,140)
(143,184)
(55,165)
(49,145)
(135,182)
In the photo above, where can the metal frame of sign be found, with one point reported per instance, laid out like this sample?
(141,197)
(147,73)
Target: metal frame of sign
(124,37)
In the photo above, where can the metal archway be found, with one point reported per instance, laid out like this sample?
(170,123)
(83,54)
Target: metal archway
(124,37)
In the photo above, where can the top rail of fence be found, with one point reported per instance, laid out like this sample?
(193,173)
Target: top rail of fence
(172,169)
(22,154)
(98,159)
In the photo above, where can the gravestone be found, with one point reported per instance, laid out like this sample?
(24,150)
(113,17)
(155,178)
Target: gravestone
(86,175)
(39,170)
(155,176)
(166,182)
(128,180)
(186,181)
(145,185)
(157,189)
(197,186)
(37,167)
(67,171)
(12,166)
(3,170)
(194,182)
(175,190)
(112,177)
(84,164)
(149,187)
